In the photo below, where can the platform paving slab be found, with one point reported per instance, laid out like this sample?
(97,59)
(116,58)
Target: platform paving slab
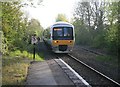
(39,73)
(60,76)
(47,73)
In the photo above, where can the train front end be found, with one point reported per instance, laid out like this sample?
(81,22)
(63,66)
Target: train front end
(63,38)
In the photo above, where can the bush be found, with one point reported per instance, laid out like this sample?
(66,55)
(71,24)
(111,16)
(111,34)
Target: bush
(3,44)
(17,52)
(25,54)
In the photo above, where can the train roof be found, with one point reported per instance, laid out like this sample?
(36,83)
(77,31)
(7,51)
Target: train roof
(58,24)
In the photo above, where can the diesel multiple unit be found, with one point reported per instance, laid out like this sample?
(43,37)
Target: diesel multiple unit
(60,37)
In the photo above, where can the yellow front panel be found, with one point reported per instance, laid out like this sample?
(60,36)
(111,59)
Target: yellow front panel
(62,42)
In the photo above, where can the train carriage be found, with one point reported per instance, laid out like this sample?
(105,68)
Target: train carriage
(60,37)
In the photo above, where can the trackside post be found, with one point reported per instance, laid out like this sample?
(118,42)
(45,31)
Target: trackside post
(34,52)
(34,41)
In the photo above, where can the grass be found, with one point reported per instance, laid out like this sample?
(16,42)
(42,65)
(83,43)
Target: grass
(24,54)
(104,58)
(109,59)
(14,70)
(15,67)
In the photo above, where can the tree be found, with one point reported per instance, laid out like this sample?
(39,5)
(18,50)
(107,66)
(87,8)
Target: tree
(83,12)
(82,34)
(61,17)
(99,20)
(34,27)
(113,32)
(15,25)
(12,23)
(31,3)
(92,16)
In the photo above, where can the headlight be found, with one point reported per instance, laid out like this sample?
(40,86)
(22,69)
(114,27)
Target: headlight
(55,41)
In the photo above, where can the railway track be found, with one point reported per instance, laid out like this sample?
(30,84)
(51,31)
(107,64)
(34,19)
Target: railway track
(113,81)
(97,53)
(100,78)
(106,81)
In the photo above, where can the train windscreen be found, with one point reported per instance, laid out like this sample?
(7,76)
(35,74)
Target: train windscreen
(63,33)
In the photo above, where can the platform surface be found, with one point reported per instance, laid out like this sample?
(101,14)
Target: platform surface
(47,73)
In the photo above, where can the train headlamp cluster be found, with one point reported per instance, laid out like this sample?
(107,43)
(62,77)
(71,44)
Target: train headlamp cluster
(69,41)
(58,41)
(55,41)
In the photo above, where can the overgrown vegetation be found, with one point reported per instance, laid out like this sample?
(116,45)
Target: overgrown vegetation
(15,66)
(108,59)
(96,25)
(61,17)
(14,70)
(16,28)
(112,61)
(15,42)
(25,54)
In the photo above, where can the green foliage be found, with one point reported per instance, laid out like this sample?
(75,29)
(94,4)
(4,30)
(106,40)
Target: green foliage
(112,35)
(109,59)
(82,33)
(61,17)
(39,57)
(12,24)
(14,41)
(34,27)
(14,70)
(96,24)
(25,54)
(17,52)
(15,67)
(104,58)
(99,40)
(1,41)
(17,30)
(112,38)
(3,44)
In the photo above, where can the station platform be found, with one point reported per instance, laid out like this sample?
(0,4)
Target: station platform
(54,72)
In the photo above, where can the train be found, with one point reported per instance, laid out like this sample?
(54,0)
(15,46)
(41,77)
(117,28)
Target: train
(60,37)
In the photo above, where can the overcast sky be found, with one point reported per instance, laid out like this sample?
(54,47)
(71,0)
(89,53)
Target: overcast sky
(48,11)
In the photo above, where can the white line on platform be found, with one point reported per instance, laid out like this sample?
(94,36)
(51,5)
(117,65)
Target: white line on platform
(86,83)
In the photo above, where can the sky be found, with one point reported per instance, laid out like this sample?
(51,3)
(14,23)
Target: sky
(49,9)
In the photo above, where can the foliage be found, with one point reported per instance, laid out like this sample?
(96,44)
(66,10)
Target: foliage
(96,25)
(112,38)
(15,38)
(113,33)
(34,27)
(15,66)
(82,31)
(3,43)
(109,59)
(61,17)
(12,24)
(17,30)
(14,70)
(25,54)
(104,58)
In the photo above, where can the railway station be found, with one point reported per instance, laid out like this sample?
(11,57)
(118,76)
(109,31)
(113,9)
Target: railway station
(54,71)
(59,38)
(59,43)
